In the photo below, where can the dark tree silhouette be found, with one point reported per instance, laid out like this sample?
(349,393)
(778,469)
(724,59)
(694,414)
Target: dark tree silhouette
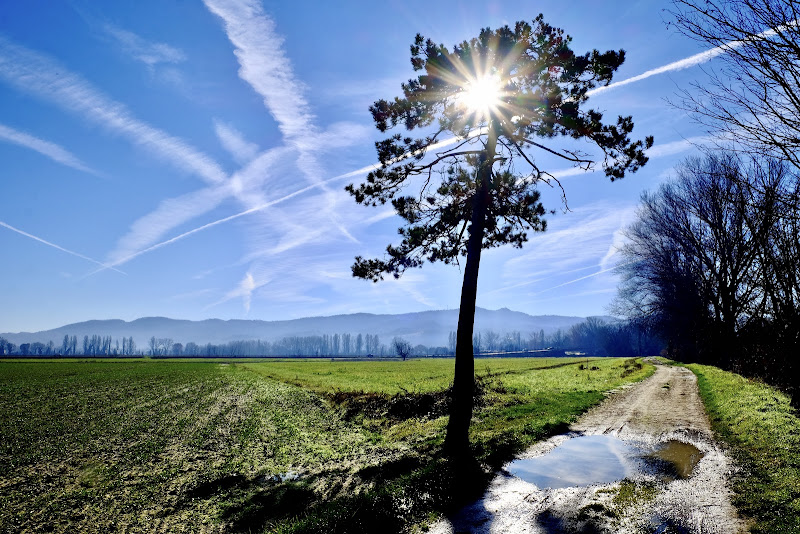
(692,257)
(482,109)
(712,266)
(401,347)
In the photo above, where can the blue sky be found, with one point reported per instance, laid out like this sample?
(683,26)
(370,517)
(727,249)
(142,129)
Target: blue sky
(188,159)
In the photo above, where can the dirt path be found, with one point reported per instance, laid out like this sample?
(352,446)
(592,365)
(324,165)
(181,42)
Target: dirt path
(666,402)
(663,410)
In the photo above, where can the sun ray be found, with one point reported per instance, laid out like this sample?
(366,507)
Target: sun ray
(481,95)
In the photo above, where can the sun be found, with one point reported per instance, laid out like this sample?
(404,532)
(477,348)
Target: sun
(481,95)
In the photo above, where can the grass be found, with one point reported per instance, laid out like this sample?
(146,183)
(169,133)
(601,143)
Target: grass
(417,376)
(285,446)
(98,446)
(763,431)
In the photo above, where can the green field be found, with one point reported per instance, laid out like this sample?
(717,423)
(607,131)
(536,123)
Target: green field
(763,431)
(227,446)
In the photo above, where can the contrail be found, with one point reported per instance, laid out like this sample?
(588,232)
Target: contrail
(62,249)
(690,61)
(254,209)
(582,278)
(535,280)
(262,207)
(46,148)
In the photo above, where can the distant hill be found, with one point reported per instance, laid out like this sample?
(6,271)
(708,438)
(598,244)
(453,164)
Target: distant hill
(429,328)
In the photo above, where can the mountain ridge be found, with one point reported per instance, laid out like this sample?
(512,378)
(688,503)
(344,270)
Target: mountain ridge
(429,327)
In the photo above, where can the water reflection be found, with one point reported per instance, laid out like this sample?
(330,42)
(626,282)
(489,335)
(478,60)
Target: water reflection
(601,459)
(678,458)
(580,461)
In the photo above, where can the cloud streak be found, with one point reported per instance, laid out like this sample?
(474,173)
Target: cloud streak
(265,67)
(601,271)
(234,142)
(46,148)
(255,209)
(243,186)
(36,73)
(145,51)
(685,63)
(57,247)
(253,33)
(244,290)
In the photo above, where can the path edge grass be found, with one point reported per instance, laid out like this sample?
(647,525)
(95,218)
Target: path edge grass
(414,500)
(762,431)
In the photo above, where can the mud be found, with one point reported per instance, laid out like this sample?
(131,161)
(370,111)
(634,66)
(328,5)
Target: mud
(677,458)
(678,482)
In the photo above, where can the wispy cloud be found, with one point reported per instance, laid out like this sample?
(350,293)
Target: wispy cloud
(586,236)
(254,209)
(539,277)
(265,67)
(149,53)
(36,73)
(234,142)
(601,271)
(170,213)
(676,147)
(57,247)
(244,291)
(264,64)
(46,148)
(244,185)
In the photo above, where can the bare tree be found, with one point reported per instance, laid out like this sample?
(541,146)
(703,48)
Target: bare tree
(490,339)
(712,254)
(401,347)
(691,260)
(451,341)
(754,98)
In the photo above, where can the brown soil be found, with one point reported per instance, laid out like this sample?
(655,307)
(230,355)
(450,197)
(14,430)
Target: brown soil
(666,402)
(662,409)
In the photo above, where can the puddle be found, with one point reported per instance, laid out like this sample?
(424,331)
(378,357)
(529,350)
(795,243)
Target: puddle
(602,459)
(580,461)
(677,458)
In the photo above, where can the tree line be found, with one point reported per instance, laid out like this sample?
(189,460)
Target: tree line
(91,346)
(592,336)
(713,259)
(345,344)
(711,265)
(319,345)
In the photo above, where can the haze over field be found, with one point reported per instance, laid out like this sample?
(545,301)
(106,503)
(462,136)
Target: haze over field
(188,159)
(430,328)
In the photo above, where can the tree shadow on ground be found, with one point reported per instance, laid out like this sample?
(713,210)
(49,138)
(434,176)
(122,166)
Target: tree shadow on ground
(251,505)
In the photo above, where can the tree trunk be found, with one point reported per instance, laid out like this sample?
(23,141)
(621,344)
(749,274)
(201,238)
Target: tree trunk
(457,439)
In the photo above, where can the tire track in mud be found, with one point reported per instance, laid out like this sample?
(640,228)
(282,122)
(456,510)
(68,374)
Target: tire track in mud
(665,407)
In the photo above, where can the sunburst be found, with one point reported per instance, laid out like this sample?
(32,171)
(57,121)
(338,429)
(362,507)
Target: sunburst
(481,95)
